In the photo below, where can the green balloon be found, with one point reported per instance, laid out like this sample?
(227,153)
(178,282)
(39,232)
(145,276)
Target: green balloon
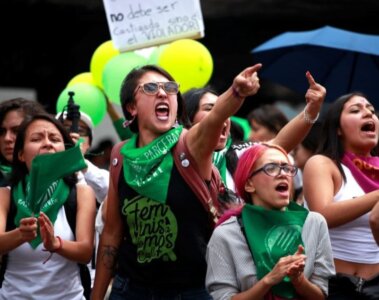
(244,124)
(116,70)
(90,98)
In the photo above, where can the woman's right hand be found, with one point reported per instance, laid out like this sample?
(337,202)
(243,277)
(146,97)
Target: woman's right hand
(286,266)
(28,229)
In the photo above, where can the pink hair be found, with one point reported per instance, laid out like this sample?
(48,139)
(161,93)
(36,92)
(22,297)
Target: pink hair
(246,164)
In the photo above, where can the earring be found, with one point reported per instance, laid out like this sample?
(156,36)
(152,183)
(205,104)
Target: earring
(128,122)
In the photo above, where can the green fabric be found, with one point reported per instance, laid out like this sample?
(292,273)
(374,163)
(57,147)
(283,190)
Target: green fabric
(272,234)
(5,171)
(244,124)
(148,169)
(45,191)
(122,132)
(50,202)
(219,159)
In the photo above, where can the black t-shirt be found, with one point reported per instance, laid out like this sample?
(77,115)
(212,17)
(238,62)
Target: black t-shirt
(164,245)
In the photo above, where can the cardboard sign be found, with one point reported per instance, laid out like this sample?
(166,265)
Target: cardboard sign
(136,24)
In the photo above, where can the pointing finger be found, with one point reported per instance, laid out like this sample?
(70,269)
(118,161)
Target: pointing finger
(311,80)
(248,72)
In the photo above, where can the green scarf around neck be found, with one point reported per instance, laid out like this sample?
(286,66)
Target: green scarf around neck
(50,203)
(219,159)
(272,234)
(44,189)
(148,169)
(5,171)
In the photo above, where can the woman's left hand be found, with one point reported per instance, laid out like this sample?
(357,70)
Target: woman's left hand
(297,268)
(50,242)
(314,96)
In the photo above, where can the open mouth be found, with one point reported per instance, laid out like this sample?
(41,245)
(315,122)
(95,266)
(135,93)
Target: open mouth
(368,127)
(282,187)
(162,111)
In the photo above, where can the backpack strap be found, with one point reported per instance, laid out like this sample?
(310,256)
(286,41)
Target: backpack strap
(208,195)
(116,164)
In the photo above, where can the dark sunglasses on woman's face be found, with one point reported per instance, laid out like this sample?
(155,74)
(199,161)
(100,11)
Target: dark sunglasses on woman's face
(152,88)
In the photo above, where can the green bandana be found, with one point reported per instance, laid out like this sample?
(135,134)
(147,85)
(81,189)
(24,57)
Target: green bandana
(50,203)
(219,159)
(272,234)
(45,190)
(5,171)
(148,169)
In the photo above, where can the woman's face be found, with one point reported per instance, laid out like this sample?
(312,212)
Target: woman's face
(359,126)
(156,113)
(8,133)
(270,192)
(207,102)
(260,133)
(40,137)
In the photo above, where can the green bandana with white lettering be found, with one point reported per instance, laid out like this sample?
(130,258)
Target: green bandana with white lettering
(44,189)
(272,234)
(55,196)
(148,169)
(219,159)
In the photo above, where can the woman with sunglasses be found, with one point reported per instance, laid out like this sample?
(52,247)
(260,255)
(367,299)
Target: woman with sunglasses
(342,183)
(271,248)
(156,230)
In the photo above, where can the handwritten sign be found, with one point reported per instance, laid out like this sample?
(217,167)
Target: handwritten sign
(136,24)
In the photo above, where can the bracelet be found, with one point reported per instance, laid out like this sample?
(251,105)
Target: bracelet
(53,251)
(307,118)
(236,94)
(60,244)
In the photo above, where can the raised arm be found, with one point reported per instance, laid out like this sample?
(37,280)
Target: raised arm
(202,138)
(295,131)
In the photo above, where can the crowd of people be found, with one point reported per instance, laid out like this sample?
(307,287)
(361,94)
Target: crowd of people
(301,219)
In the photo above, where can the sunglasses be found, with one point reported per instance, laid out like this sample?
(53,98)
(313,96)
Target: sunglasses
(152,88)
(274,170)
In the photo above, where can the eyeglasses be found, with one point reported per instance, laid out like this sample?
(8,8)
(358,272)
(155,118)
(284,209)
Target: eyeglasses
(152,88)
(273,170)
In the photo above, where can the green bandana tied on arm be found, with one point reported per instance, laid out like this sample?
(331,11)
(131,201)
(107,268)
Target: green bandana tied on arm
(272,234)
(45,189)
(148,169)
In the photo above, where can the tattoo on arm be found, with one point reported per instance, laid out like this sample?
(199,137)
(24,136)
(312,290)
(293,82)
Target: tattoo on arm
(108,257)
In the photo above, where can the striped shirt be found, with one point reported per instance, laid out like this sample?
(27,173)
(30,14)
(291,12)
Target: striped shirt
(231,268)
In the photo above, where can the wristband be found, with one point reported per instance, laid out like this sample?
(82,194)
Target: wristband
(60,244)
(307,118)
(236,94)
(53,251)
